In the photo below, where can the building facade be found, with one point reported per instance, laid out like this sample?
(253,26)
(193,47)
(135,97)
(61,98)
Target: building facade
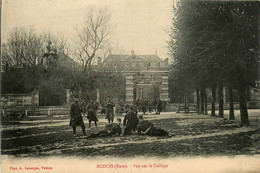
(146,75)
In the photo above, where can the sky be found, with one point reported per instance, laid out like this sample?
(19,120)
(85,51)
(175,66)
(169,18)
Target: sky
(138,24)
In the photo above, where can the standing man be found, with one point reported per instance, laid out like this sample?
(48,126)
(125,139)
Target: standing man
(164,102)
(150,105)
(92,116)
(96,108)
(127,107)
(110,110)
(159,106)
(139,105)
(83,107)
(76,118)
(144,106)
(103,110)
(121,104)
(154,105)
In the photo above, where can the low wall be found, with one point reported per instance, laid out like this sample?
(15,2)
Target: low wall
(37,111)
(22,100)
(172,107)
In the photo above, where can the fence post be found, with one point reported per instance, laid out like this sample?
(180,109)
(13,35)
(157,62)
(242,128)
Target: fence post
(224,96)
(36,98)
(33,99)
(23,100)
(49,112)
(98,96)
(178,108)
(68,96)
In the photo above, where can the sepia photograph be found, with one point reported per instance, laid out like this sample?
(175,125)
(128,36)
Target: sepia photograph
(130,86)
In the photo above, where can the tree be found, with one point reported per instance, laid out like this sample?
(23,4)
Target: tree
(22,46)
(23,72)
(93,36)
(221,100)
(216,43)
(231,104)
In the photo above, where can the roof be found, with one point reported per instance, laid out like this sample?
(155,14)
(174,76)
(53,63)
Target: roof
(112,58)
(134,57)
(151,57)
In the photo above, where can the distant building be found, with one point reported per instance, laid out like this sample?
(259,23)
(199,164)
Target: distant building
(146,75)
(66,61)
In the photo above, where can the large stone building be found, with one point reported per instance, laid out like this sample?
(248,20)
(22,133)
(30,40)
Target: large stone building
(146,75)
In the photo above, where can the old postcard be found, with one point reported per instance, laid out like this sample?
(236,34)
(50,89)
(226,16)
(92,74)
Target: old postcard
(130,86)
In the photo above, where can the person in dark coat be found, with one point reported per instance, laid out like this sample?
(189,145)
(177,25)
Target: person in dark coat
(96,108)
(121,105)
(110,110)
(127,107)
(103,110)
(144,106)
(83,106)
(154,105)
(159,106)
(110,130)
(145,127)
(76,118)
(135,109)
(92,109)
(130,121)
(164,103)
(150,105)
(139,105)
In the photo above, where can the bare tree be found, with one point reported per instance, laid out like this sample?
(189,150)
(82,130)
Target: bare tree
(23,46)
(7,59)
(93,36)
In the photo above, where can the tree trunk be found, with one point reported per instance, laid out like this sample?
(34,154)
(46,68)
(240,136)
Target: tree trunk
(243,106)
(198,102)
(205,102)
(185,105)
(221,103)
(178,108)
(213,90)
(201,102)
(231,104)
(186,102)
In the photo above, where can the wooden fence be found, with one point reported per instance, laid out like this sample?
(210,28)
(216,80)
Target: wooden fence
(20,100)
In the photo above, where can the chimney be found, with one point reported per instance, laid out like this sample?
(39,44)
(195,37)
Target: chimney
(166,61)
(99,60)
(132,52)
(156,52)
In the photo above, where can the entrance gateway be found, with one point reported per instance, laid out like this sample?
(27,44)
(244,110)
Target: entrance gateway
(146,75)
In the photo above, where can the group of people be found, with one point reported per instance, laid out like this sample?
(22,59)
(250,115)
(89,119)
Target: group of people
(145,105)
(131,122)
(78,109)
